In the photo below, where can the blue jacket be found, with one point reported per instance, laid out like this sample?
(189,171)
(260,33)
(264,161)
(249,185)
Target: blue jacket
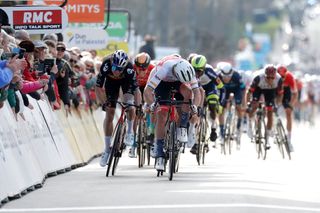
(6,74)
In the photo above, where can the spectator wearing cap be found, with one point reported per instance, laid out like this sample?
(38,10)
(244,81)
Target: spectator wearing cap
(51,37)
(39,65)
(22,35)
(64,72)
(52,48)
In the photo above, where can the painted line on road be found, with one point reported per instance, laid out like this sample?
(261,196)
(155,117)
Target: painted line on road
(222,205)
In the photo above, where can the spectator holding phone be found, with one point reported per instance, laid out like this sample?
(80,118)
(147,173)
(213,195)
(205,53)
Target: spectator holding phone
(62,77)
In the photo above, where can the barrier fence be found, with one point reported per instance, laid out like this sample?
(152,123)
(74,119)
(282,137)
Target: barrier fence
(45,143)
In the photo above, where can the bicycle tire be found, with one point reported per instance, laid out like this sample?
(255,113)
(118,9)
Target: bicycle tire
(199,141)
(227,135)
(113,149)
(140,144)
(264,136)
(259,138)
(279,140)
(285,140)
(172,157)
(120,148)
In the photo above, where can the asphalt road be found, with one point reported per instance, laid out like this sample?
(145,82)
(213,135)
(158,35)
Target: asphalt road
(236,183)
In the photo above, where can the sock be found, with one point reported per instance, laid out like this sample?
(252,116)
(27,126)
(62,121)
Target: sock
(221,129)
(289,136)
(239,123)
(130,126)
(184,119)
(159,147)
(107,142)
(192,127)
(268,134)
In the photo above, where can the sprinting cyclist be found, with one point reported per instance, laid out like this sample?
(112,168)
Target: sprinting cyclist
(116,71)
(233,83)
(143,67)
(171,73)
(269,83)
(214,92)
(290,96)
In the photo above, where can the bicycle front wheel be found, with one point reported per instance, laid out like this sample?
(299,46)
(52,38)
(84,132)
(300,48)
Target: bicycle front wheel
(120,147)
(284,139)
(172,157)
(114,149)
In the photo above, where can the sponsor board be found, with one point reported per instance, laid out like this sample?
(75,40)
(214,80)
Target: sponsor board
(113,46)
(85,39)
(37,20)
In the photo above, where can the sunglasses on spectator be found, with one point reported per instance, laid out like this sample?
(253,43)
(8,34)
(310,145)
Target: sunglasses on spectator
(61,49)
(141,65)
(73,61)
(116,68)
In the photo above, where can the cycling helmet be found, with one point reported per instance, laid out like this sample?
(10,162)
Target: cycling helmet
(142,60)
(270,70)
(282,69)
(120,58)
(225,68)
(199,62)
(190,56)
(184,71)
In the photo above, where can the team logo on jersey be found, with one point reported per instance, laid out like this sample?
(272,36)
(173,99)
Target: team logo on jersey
(129,71)
(105,68)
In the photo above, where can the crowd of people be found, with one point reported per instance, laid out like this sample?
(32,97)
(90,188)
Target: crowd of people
(45,69)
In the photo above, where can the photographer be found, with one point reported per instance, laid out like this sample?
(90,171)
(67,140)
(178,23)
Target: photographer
(62,77)
(46,69)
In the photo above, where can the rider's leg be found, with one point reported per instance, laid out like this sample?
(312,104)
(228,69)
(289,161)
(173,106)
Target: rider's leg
(187,95)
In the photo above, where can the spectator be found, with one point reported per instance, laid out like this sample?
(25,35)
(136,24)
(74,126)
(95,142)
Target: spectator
(148,47)
(62,77)
(52,37)
(22,35)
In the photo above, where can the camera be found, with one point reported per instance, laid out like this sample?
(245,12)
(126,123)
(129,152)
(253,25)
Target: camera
(48,64)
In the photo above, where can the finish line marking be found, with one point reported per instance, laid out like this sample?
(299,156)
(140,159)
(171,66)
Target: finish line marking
(101,208)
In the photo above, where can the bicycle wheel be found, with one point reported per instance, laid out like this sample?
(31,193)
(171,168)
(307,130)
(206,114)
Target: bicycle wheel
(114,148)
(227,135)
(284,138)
(171,147)
(120,147)
(279,140)
(259,138)
(140,144)
(199,142)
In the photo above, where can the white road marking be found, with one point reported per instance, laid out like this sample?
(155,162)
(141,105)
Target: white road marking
(222,205)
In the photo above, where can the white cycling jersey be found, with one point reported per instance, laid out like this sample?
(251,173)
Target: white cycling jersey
(163,72)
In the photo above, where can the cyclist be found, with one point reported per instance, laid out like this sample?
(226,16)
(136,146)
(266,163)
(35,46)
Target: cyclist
(116,71)
(290,95)
(233,83)
(171,73)
(143,67)
(213,87)
(269,83)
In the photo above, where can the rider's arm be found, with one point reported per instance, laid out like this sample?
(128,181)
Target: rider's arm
(148,95)
(294,89)
(101,77)
(279,92)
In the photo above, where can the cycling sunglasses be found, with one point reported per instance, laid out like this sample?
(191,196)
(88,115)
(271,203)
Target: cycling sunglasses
(116,68)
(142,65)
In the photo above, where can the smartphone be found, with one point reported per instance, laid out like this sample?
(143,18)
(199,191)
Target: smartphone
(18,51)
(48,64)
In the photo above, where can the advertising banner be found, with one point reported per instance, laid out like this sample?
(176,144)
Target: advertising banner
(85,39)
(37,20)
(113,46)
(84,11)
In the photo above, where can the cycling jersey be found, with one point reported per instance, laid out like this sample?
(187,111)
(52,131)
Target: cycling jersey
(289,81)
(210,81)
(260,86)
(163,72)
(143,79)
(235,86)
(126,80)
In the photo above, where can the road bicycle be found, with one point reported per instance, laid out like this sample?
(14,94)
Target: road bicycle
(281,137)
(202,141)
(118,145)
(172,147)
(229,129)
(260,132)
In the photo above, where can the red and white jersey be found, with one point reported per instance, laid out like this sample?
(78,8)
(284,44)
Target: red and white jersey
(289,81)
(143,76)
(163,72)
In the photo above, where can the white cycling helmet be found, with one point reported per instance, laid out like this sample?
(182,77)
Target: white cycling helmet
(225,68)
(184,71)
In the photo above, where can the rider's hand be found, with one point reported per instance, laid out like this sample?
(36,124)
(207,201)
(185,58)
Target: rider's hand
(194,109)
(152,107)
